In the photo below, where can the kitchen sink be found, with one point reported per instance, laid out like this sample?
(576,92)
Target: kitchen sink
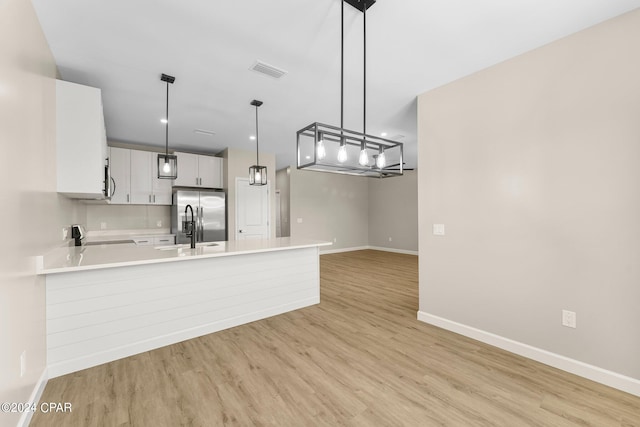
(185,246)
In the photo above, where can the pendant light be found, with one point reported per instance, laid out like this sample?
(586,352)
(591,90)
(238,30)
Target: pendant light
(167,163)
(257,173)
(326,148)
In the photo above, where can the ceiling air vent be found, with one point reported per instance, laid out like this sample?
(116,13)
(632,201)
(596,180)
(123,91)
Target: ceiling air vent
(268,70)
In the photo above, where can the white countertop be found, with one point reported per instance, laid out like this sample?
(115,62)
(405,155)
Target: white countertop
(64,260)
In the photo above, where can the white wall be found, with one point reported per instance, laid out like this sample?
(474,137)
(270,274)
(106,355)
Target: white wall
(331,206)
(33,214)
(532,165)
(393,212)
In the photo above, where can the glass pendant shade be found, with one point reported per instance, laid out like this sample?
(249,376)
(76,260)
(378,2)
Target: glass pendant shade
(167,166)
(258,175)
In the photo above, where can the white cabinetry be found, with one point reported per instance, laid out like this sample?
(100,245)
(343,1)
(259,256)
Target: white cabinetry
(120,160)
(146,188)
(81,141)
(135,174)
(195,170)
(169,239)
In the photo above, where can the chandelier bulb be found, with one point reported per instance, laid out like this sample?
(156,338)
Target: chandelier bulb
(364,158)
(381,161)
(342,153)
(321,151)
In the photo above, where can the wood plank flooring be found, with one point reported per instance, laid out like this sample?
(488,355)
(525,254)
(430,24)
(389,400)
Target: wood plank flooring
(359,358)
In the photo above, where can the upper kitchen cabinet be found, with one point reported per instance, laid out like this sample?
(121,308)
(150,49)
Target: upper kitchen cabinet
(120,162)
(81,142)
(135,180)
(195,170)
(146,187)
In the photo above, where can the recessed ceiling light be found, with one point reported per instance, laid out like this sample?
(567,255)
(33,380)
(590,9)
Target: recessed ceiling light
(383,134)
(165,121)
(252,137)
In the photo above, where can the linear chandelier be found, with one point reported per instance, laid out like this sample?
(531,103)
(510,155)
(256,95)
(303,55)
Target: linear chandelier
(326,148)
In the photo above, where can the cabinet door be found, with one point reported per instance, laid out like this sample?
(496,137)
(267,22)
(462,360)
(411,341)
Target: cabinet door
(141,174)
(161,188)
(80,135)
(120,160)
(210,171)
(187,170)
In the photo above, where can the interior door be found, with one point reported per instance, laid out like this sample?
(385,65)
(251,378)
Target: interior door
(252,210)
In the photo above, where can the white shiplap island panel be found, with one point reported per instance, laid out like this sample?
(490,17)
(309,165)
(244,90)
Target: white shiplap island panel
(100,315)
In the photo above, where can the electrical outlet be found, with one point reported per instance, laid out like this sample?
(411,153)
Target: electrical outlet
(159,223)
(23,363)
(335,239)
(299,220)
(65,233)
(390,239)
(103,226)
(569,318)
(438,229)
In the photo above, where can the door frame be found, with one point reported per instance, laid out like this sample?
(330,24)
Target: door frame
(238,180)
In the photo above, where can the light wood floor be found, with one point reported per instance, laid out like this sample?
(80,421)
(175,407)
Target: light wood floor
(359,358)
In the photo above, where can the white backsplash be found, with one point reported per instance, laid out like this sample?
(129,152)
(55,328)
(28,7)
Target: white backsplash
(127,217)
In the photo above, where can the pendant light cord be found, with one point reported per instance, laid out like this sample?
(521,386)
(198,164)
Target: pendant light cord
(364,89)
(166,135)
(342,71)
(257,138)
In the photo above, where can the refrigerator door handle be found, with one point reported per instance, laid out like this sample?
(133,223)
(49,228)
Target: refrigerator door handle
(201,224)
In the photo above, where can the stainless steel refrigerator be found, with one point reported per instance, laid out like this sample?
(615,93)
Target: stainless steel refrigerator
(209,211)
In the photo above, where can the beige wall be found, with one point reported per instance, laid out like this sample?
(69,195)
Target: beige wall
(236,165)
(283,184)
(331,206)
(393,212)
(33,214)
(532,165)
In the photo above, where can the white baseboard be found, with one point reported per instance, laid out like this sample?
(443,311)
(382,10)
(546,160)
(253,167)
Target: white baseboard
(36,394)
(336,251)
(394,250)
(362,248)
(594,373)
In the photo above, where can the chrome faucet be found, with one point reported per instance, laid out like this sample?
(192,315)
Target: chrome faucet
(189,227)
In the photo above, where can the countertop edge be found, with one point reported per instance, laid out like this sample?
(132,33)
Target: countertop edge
(40,271)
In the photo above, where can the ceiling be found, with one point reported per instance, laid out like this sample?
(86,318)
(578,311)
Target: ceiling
(123,46)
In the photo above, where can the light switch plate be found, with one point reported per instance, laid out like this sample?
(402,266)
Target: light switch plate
(438,229)
(299,221)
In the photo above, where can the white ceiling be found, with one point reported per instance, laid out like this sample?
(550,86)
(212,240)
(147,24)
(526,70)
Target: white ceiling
(122,47)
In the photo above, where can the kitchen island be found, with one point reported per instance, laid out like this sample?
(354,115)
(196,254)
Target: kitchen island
(107,302)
